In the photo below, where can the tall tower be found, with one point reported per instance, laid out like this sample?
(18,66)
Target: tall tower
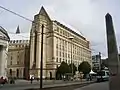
(35,42)
(113,58)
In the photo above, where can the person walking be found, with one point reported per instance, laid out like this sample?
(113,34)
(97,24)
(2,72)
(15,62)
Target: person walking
(31,79)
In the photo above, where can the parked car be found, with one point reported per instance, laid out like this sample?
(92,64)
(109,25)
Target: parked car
(103,75)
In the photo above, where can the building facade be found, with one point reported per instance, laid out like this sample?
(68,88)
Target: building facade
(60,43)
(18,55)
(96,63)
(4,39)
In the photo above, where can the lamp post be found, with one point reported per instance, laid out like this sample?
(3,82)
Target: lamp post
(71,38)
(100,61)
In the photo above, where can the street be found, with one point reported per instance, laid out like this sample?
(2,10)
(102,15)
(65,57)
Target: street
(96,86)
(21,85)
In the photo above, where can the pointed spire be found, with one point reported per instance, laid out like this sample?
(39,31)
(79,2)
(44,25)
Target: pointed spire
(18,30)
(43,12)
(108,15)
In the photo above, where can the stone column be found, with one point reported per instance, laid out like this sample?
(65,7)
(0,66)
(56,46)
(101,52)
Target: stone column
(113,58)
(38,50)
(3,61)
(32,39)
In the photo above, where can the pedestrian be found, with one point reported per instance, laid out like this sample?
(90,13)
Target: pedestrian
(31,79)
(90,77)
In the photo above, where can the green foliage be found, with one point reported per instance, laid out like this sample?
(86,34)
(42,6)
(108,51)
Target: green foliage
(74,68)
(64,68)
(84,67)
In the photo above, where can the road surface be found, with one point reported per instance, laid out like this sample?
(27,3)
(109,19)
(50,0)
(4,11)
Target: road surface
(25,85)
(95,86)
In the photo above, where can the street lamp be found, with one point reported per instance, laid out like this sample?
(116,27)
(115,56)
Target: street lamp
(71,38)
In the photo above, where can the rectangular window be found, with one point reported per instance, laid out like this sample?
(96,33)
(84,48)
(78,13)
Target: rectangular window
(63,54)
(56,52)
(11,57)
(18,62)
(60,54)
(68,55)
(56,45)
(66,61)
(56,59)
(60,60)
(10,62)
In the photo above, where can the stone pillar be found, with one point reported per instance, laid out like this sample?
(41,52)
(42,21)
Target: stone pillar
(32,39)
(113,58)
(3,61)
(38,50)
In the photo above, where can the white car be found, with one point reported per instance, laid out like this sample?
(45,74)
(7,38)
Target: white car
(103,75)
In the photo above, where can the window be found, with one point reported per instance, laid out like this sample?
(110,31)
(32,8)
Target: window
(10,62)
(18,62)
(66,61)
(56,52)
(68,55)
(60,31)
(63,54)
(56,59)
(11,57)
(57,29)
(18,56)
(56,45)
(60,54)
(60,60)
(17,74)
(10,72)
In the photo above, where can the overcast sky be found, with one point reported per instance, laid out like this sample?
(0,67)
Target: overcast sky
(87,16)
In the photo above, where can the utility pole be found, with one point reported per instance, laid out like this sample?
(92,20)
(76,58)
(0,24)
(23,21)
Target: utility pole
(100,60)
(41,64)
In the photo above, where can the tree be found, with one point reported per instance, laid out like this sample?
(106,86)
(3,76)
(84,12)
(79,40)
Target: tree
(74,68)
(62,70)
(84,67)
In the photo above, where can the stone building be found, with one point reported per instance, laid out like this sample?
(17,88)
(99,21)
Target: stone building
(60,43)
(18,55)
(96,62)
(4,39)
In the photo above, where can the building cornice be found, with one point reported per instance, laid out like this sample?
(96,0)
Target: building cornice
(70,30)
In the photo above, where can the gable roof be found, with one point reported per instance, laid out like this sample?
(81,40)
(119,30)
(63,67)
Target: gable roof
(54,19)
(43,12)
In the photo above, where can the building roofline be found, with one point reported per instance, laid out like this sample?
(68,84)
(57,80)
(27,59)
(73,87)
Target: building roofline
(4,32)
(69,29)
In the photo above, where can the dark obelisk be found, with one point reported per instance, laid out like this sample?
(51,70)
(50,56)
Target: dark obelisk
(113,58)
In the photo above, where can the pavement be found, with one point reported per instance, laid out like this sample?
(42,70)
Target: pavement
(23,84)
(95,86)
